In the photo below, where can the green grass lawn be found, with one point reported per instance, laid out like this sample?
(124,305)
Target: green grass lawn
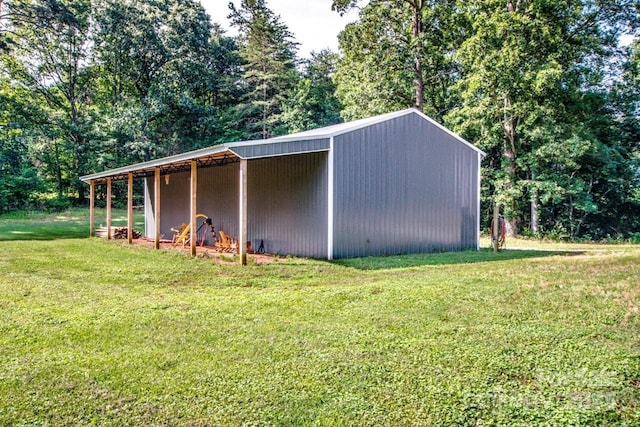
(71,224)
(97,332)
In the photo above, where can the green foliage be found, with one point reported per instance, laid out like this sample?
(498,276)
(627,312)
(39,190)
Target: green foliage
(19,189)
(372,77)
(398,55)
(51,46)
(531,97)
(158,82)
(313,103)
(99,85)
(526,82)
(20,183)
(268,51)
(57,204)
(108,334)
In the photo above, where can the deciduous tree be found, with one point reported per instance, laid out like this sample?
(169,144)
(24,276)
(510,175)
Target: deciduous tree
(52,47)
(313,102)
(398,55)
(527,67)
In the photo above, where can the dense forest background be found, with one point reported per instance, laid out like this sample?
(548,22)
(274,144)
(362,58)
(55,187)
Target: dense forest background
(544,87)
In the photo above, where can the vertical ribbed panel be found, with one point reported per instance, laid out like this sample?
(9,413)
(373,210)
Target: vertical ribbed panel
(288,204)
(174,202)
(217,198)
(403,186)
(281,148)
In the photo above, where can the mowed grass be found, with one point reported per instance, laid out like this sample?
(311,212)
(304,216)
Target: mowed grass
(70,224)
(96,332)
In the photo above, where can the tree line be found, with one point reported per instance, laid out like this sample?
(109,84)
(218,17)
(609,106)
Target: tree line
(542,86)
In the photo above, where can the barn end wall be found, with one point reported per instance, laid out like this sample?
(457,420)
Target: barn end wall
(286,202)
(403,186)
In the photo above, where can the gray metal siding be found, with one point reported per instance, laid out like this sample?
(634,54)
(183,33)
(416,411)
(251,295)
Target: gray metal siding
(174,204)
(287,199)
(280,148)
(217,197)
(400,186)
(287,205)
(403,186)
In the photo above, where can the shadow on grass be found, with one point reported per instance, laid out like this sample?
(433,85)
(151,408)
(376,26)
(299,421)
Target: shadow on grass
(74,224)
(33,232)
(448,258)
(48,231)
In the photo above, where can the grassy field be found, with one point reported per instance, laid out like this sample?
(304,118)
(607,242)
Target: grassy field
(96,332)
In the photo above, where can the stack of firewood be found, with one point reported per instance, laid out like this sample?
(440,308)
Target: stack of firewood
(121,233)
(117,233)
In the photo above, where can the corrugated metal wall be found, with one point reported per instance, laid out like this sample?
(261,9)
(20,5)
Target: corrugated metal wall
(217,198)
(218,195)
(287,202)
(403,186)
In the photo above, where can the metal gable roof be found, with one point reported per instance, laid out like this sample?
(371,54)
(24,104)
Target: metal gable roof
(303,142)
(342,128)
(218,154)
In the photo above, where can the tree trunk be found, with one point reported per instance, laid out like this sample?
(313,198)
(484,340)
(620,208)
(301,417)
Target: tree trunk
(510,167)
(417,31)
(571,217)
(510,154)
(80,170)
(58,169)
(264,106)
(535,221)
(264,113)
(535,201)
(82,195)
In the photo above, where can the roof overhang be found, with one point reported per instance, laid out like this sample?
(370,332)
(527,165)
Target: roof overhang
(207,157)
(214,156)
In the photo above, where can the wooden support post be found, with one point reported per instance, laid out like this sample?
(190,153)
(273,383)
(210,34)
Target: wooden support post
(495,228)
(130,208)
(109,208)
(156,205)
(92,209)
(194,201)
(242,241)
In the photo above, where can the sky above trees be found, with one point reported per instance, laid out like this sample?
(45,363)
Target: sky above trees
(313,23)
